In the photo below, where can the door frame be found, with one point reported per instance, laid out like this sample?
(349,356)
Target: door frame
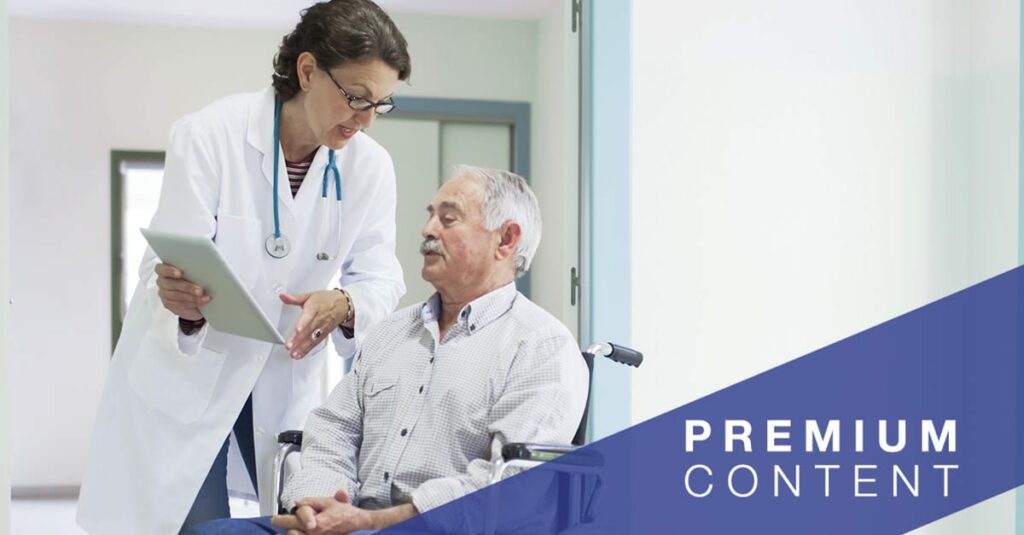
(605,206)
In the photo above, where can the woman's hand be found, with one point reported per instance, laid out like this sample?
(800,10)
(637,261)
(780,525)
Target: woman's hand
(322,312)
(179,295)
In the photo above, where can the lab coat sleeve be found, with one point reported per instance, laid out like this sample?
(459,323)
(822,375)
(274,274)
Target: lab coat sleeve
(371,274)
(330,444)
(188,199)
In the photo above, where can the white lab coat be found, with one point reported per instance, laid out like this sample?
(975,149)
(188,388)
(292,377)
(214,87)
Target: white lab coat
(170,401)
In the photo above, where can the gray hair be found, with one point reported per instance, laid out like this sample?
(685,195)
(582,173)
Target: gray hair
(507,197)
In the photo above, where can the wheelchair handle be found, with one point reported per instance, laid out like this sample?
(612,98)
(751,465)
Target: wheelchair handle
(290,437)
(526,451)
(617,353)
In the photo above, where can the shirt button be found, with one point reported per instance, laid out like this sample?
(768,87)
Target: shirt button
(421,389)
(260,431)
(431,360)
(405,432)
(386,476)
(472,327)
(278,288)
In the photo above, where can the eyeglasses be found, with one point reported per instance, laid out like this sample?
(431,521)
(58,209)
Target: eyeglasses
(361,104)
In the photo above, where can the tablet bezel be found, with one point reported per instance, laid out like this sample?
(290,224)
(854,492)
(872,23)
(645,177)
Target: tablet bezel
(232,308)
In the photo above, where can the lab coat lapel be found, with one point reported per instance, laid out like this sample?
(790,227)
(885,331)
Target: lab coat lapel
(307,203)
(260,135)
(321,219)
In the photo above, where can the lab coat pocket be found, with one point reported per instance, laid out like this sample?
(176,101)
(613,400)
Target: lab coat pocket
(171,382)
(238,239)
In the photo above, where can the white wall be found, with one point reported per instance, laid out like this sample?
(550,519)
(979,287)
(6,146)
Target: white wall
(805,169)
(5,279)
(82,89)
(456,57)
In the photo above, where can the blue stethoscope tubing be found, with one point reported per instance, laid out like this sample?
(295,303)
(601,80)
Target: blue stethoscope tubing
(278,246)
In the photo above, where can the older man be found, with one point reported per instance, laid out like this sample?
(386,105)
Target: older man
(439,387)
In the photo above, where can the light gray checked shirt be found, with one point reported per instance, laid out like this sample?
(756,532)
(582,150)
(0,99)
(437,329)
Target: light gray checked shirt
(422,420)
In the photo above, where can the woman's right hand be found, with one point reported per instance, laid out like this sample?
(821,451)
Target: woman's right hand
(179,295)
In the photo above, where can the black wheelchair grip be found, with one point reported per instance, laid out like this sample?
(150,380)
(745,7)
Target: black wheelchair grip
(625,355)
(555,453)
(516,450)
(290,437)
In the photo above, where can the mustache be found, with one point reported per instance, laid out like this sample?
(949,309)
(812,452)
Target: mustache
(432,246)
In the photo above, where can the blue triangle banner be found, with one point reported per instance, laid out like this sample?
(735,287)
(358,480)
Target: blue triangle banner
(882,432)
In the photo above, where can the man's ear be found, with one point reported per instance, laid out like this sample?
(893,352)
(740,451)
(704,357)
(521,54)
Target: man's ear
(305,64)
(509,235)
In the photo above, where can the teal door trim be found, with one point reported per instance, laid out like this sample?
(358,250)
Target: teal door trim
(605,260)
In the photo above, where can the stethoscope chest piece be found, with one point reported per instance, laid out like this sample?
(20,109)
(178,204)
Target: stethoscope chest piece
(278,247)
(277,244)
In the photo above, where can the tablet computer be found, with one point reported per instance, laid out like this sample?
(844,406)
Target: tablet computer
(232,309)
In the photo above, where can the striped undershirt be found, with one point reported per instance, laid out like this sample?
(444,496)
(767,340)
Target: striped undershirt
(297,171)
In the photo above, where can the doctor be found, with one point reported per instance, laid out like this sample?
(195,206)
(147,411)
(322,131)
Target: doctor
(295,197)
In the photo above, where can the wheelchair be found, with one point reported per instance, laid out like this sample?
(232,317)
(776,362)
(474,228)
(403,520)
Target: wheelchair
(516,455)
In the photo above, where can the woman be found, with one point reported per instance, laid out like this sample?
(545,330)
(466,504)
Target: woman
(177,388)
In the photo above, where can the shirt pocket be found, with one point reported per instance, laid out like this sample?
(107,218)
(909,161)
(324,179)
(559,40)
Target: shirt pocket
(168,381)
(238,239)
(380,404)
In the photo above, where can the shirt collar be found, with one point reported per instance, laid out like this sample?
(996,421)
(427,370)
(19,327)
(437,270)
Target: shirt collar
(478,313)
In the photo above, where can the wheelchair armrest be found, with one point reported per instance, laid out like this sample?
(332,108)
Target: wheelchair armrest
(523,451)
(288,442)
(290,437)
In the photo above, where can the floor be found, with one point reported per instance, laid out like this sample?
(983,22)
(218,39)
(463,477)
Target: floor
(44,516)
(57,517)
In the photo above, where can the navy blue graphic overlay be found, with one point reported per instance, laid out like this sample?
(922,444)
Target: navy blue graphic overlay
(882,432)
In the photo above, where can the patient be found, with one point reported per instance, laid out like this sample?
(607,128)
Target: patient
(438,387)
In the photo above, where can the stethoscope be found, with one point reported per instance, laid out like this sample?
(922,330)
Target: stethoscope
(277,243)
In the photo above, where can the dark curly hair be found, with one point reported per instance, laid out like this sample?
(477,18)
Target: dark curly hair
(336,32)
